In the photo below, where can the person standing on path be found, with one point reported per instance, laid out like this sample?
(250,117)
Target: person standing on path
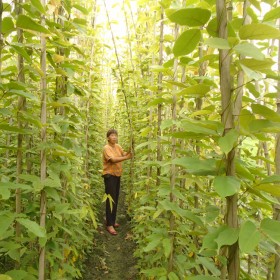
(113,155)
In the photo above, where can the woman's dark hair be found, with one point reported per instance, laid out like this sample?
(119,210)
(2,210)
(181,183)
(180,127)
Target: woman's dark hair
(111,131)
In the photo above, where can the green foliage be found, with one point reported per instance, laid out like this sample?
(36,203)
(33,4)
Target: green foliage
(190,17)
(25,22)
(226,185)
(73,180)
(249,237)
(180,221)
(186,42)
(258,31)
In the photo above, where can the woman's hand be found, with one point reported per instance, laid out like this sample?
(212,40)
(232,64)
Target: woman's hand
(129,155)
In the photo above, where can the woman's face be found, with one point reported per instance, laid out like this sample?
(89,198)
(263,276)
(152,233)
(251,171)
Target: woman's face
(113,138)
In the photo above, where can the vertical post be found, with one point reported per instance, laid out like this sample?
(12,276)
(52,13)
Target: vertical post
(231,218)
(21,106)
(160,75)
(43,202)
(276,216)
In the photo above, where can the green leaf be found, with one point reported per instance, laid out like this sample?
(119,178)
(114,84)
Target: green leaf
(264,126)
(242,171)
(209,264)
(202,277)
(271,179)
(199,90)
(5,222)
(227,237)
(38,6)
(156,101)
(270,188)
(84,10)
(197,166)
(251,73)
(212,27)
(265,112)
(258,31)
(192,217)
(22,52)
(261,205)
(248,49)
(272,229)
(5,277)
(5,112)
(187,42)
(25,22)
(258,65)
(272,14)
(209,239)
(166,124)
(190,17)
(228,141)
(173,276)
(226,185)
(17,274)
(14,186)
(23,93)
(158,271)
(5,193)
(249,237)
(32,227)
(152,245)
(15,129)
(7,26)
(159,68)
(166,243)
(218,43)
(195,126)
(252,89)
(175,208)
(212,212)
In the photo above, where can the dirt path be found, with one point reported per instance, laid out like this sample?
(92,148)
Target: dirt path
(112,256)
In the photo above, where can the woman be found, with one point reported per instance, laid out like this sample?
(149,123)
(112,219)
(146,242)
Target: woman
(113,155)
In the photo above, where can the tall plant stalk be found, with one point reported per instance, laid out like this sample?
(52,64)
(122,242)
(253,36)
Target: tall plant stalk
(1,39)
(231,217)
(276,274)
(173,169)
(159,91)
(43,158)
(21,107)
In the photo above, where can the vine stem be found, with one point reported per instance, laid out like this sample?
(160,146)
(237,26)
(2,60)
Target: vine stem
(121,78)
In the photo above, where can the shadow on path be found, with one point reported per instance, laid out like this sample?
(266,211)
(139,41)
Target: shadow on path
(112,256)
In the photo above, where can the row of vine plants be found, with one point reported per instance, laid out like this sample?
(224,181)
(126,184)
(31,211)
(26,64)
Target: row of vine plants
(202,84)
(51,122)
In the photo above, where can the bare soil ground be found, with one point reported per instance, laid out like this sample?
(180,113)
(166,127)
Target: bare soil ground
(111,257)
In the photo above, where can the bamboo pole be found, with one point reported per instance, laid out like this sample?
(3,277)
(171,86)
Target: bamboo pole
(159,91)
(1,38)
(21,107)
(87,121)
(173,169)
(276,216)
(231,218)
(43,167)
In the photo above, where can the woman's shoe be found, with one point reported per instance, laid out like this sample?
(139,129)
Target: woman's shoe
(111,230)
(116,225)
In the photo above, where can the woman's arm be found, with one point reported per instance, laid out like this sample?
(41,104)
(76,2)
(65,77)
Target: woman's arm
(121,158)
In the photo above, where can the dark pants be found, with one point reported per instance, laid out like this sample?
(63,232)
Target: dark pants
(112,187)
